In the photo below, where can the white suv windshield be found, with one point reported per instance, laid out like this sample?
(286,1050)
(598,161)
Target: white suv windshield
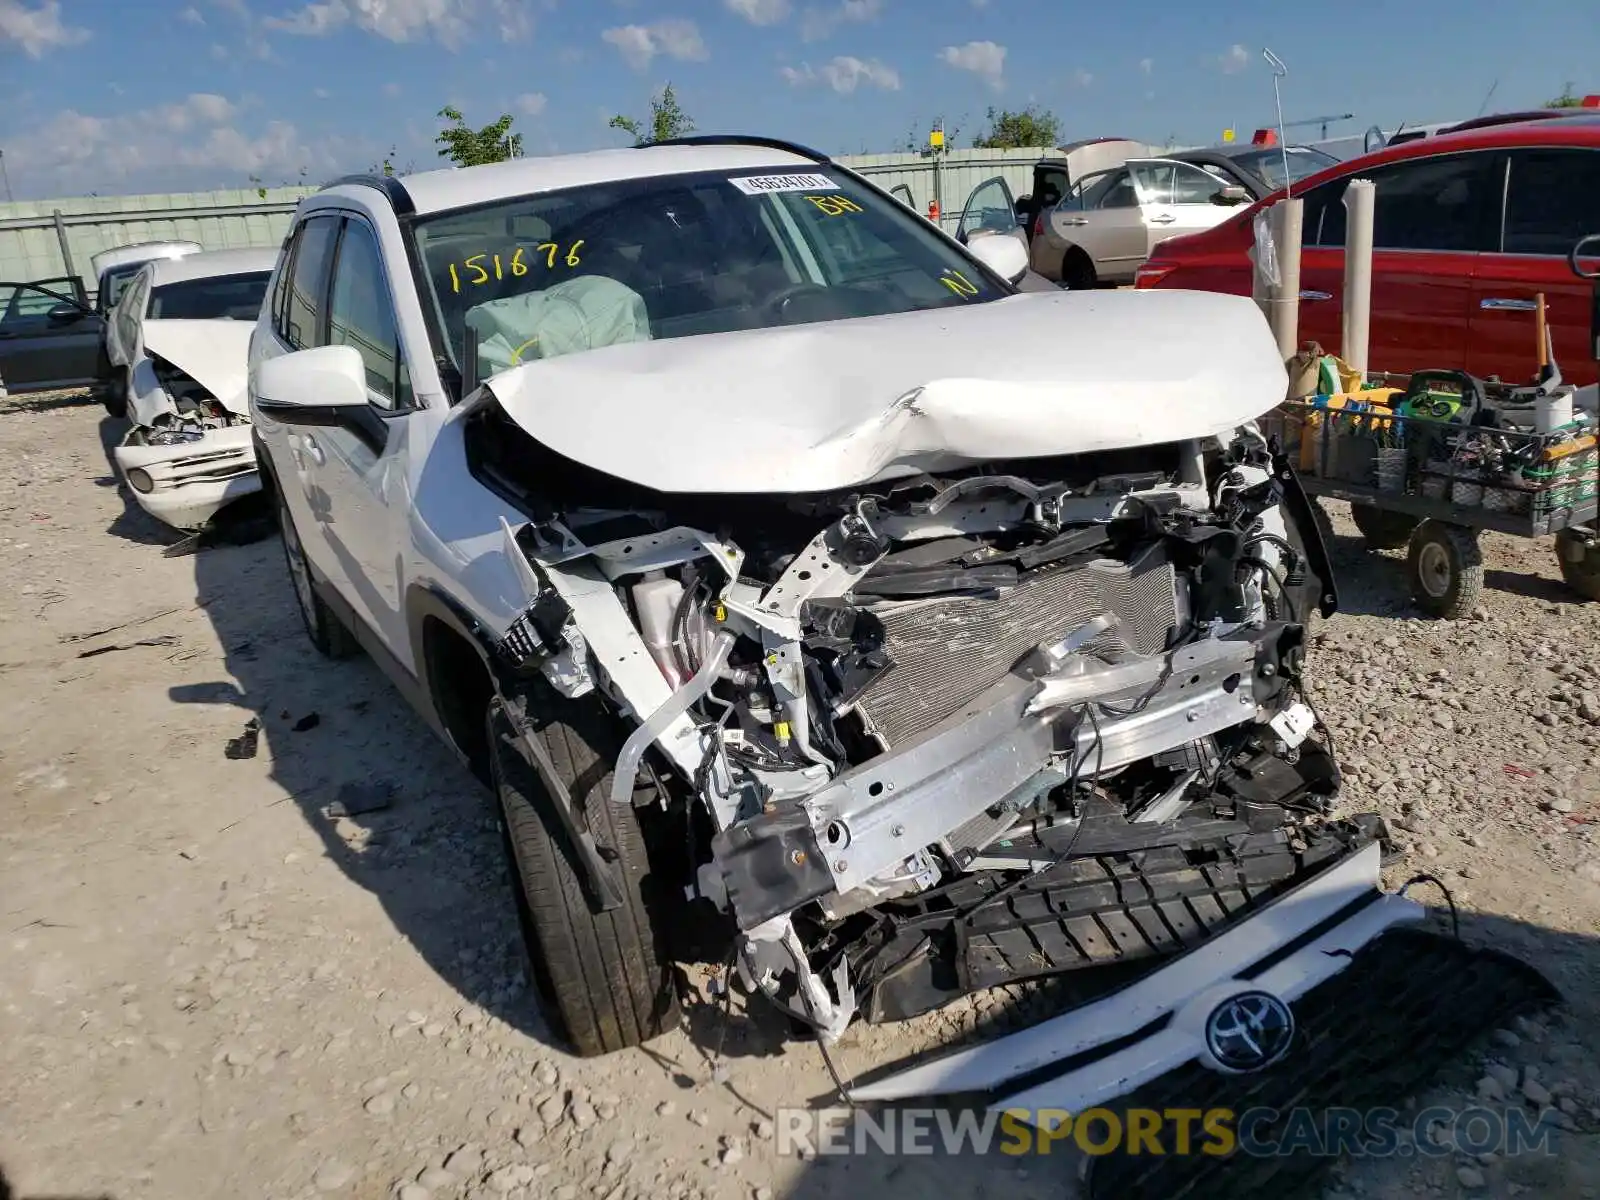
(666,257)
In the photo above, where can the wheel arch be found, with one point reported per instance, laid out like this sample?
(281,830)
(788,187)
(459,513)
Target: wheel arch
(457,670)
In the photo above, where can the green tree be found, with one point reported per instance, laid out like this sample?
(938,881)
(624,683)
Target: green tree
(468,147)
(667,120)
(1032,126)
(1566,100)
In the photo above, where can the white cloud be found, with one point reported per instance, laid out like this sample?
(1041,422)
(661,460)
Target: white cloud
(37,30)
(208,106)
(322,93)
(673,37)
(1082,78)
(1233,60)
(192,15)
(392,90)
(193,144)
(844,74)
(1146,65)
(532,103)
(984,59)
(447,21)
(818,23)
(980,3)
(313,20)
(759,12)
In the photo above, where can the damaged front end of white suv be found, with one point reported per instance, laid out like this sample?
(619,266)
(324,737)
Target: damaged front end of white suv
(991,684)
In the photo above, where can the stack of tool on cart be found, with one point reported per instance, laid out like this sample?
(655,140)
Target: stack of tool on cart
(1427,460)
(1447,436)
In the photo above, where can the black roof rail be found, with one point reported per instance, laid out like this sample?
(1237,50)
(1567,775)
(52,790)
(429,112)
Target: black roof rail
(399,199)
(740,139)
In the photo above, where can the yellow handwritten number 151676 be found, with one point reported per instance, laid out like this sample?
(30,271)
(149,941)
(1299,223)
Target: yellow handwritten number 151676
(479,264)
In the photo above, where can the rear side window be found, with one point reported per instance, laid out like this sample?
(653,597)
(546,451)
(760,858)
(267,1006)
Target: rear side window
(1552,200)
(308,285)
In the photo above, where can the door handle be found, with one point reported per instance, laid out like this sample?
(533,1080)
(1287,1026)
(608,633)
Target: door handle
(1161,219)
(1074,220)
(1505,304)
(1310,295)
(314,450)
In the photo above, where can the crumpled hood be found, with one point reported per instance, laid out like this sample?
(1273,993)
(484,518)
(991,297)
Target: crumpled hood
(808,408)
(215,354)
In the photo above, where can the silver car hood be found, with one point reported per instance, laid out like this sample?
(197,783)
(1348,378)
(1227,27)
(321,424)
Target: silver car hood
(215,354)
(810,408)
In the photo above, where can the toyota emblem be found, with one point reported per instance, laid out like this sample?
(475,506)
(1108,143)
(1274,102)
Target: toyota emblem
(1249,1031)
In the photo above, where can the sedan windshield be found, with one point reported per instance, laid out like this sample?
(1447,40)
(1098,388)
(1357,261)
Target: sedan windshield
(665,257)
(1268,164)
(220,298)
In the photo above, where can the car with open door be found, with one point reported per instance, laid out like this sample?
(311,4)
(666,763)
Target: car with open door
(49,338)
(1470,229)
(114,270)
(1107,224)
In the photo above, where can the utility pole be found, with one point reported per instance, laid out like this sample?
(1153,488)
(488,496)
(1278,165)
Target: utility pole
(4,178)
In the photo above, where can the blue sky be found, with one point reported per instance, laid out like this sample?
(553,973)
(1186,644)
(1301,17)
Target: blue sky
(117,96)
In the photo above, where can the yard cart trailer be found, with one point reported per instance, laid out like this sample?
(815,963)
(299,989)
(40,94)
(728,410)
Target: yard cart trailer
(1429,460)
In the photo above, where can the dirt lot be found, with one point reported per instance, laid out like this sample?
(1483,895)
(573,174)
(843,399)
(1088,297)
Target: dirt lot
(213,984)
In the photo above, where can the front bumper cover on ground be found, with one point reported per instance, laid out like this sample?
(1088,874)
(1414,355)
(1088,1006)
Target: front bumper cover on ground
(1368,1038)
(1104,1049)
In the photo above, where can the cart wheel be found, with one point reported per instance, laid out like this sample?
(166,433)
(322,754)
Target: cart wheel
(1382,528)
(1446,569)
(1578,552)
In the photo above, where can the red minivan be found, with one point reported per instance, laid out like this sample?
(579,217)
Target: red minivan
(1469,228)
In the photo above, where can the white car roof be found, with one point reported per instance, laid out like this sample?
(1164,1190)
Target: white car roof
(140,252)
(461,187)
(211,264)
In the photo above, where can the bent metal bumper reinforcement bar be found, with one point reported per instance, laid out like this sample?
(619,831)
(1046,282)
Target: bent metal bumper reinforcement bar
(1104,1049)
(871,818)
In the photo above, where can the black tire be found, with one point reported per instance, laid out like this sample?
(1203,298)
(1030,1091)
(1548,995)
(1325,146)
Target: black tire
(1382,528)
(1579,556)
(327,633)
(602,976)
(1077,271)
(114,394)
(1445,568)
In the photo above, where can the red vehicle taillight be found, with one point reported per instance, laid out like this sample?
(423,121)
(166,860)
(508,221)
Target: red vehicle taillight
(1038,225)
(1152,273)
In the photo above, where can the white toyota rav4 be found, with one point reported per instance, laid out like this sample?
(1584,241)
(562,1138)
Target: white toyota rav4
(772,556)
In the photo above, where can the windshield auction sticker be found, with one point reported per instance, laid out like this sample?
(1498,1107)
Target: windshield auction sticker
(757,185)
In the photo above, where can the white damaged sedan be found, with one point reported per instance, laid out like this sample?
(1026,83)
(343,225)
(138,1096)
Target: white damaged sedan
(181,336)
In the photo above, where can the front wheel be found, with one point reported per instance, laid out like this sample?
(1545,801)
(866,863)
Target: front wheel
(326,631)
(114,395)
(602,976)
(1446,569)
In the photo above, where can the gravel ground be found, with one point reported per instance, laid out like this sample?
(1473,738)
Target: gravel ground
(215,983)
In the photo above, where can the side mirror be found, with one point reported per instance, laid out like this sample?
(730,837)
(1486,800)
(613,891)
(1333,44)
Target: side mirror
(66,314)
(1231,194)
(1003,254)
(306,387)
(1022,206)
